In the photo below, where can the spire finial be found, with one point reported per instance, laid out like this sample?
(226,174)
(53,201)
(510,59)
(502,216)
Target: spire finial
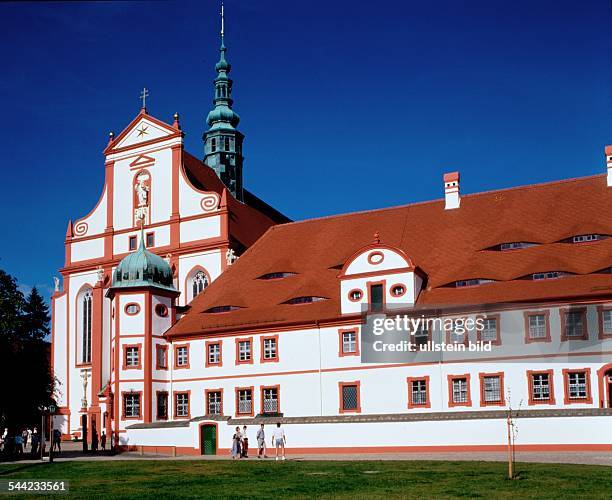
(144,93)
(222,22)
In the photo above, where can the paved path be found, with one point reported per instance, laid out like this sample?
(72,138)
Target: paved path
(72,451)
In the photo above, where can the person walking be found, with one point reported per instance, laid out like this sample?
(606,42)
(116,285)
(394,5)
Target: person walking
(279,440)
(35,442)
(103,441)
(236,438)
(245,443)
(261,442)
(57,440)
(18,444)
(24,435)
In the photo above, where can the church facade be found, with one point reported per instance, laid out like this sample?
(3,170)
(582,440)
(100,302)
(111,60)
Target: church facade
(189,307)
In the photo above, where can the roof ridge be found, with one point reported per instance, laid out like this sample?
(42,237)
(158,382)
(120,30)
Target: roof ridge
(437,200)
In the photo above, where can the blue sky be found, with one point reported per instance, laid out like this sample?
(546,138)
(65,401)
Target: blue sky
(345,105)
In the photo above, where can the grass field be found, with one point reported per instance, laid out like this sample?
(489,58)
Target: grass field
(270,479)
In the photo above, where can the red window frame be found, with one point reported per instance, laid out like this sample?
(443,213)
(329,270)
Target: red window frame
(237,412)
(546,314)
(176,365)
(411,403)
(157,394)
(164,348)
(551,387)
(341,333)
(589,394)
(600,313)
(206,394)
(450,378)
(502,400)
(250,360)
(131,346)
(585,327)
(262,339)
(261,395)
(208,343)
(126,393)
(132,243)
(151,235)
(175,404)
(341,386)
(497,318)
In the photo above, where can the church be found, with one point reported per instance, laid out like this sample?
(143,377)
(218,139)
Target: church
(189,306)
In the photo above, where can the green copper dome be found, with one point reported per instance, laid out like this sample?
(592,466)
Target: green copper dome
(143,268)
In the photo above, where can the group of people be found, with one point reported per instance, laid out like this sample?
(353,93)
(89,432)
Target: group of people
(15,445)
(240,442)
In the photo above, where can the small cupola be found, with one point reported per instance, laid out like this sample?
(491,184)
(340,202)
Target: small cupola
(143,268)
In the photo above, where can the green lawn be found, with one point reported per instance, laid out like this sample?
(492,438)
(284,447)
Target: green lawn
(270,479)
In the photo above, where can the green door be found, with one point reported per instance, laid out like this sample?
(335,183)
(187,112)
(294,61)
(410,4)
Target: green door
(208,439)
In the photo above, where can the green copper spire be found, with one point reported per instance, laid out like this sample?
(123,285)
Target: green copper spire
(222,141)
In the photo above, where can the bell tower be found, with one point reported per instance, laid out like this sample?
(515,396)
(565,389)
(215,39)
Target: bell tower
(222,141)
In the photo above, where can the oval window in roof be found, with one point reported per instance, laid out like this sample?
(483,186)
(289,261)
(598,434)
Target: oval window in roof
(276,276)
(305,300)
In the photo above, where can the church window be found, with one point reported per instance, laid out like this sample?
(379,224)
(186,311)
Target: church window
(349,397)
(269,348)
(213,145)
(132,357)
(398,290)
(162,405)
(199,283)
(269,400)
(227,144)
(161,310)
(355,295)
(132,243)
(181,404)
(86,320)
(150,242)
(244,401)
(181,357)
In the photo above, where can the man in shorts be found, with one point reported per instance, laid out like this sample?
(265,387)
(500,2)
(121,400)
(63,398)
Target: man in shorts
(279,440)
(261,442)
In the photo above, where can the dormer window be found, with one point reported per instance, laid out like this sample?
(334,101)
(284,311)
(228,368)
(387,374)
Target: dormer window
(512,245)
(276,276)
(304,300)
(221,309)
(584,238)
(546,276)
(466,283)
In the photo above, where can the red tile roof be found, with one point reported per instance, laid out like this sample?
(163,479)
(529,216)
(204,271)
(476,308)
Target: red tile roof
(249,220)
(447,245)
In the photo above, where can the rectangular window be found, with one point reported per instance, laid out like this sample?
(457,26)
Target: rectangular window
(214,354)
(492,389)
(460,391)
(349,342)
(537,326)
(132,242)
(131,405)
(575,325)
(607,321)
(418,392)
(269,349)
(458,333)
(244,351)
(182,356)
(376,298)
(269,400)
(162,405)
(541,388)
(577,385)
(421,336)
(132,357)
(162,357)
(181,404)
(214,403)
(150,240)
(244,401)
(489,330)
(349,397)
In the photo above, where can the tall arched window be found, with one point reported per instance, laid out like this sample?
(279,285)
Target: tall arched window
(199,283)
(86,316)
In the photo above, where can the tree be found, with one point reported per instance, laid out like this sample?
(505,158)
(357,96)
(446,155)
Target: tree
(24,355)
